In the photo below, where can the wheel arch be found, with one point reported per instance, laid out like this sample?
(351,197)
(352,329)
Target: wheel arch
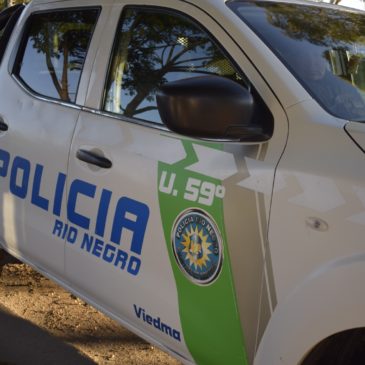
(343,348)
(329,301)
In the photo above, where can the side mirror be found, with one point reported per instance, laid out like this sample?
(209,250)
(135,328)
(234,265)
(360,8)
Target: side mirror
(209,107)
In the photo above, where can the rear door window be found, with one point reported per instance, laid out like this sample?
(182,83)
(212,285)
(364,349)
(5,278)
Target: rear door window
(53,52)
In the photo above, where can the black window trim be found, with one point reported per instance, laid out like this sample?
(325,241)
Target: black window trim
(15,13)
(21,49)
(165,10)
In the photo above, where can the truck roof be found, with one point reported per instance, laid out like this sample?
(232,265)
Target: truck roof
(303,2)
(55,1)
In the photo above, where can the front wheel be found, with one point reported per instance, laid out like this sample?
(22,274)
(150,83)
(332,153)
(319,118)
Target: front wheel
(345,348)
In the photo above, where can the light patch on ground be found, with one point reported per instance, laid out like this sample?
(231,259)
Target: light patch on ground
(67,322)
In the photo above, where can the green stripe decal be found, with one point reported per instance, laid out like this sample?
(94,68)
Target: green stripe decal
(209,315)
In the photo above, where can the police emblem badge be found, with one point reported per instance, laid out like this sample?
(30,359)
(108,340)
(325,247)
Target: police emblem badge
(197,246)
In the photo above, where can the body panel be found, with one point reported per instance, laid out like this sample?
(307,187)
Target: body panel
(316,279)
(37,148)
(285,222)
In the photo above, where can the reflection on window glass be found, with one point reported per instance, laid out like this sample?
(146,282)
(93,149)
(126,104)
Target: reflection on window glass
(323,46)
(54,52)
(8,19)
(153,48)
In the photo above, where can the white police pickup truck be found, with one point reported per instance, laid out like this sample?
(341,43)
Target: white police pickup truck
(194,169)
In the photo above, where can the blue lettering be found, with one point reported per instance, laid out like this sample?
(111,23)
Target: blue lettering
(87,242)
(140,211)
(176,335)
(103,212)
(20,164)
(157,323)
(4,159)
(130,216)
(72,235)
(138,311)
(65,229)
(83,188)
(149,319)
(57,229)
(60,187)
(134,265)
(98,247)
(38,200)
(109,253)
(122,258)
(165,328)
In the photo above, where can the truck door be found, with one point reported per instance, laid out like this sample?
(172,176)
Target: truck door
(38,114)
(170,230)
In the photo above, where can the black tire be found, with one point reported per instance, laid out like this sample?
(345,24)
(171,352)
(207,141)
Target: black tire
(345,348)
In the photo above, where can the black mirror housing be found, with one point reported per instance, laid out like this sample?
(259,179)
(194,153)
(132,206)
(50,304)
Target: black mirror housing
(211,107)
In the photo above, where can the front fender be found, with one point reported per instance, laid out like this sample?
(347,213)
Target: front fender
(330,300)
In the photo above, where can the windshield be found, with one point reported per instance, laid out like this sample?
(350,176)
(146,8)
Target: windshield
(324,47)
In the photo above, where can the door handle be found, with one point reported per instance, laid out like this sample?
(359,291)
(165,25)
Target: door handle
(93,158)
(3,126)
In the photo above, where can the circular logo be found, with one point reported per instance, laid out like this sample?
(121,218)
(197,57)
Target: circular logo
(197,246)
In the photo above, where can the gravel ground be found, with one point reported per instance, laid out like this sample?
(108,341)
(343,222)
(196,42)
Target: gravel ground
(41,323)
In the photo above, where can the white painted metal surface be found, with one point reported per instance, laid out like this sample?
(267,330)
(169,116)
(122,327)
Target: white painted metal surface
(290,211)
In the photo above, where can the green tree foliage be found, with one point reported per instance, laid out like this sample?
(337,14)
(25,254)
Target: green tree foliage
(151,48)
(63,41)
(156,51)
(5,3)
(329,28)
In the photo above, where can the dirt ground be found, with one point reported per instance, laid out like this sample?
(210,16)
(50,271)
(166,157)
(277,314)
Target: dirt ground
(40,323)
